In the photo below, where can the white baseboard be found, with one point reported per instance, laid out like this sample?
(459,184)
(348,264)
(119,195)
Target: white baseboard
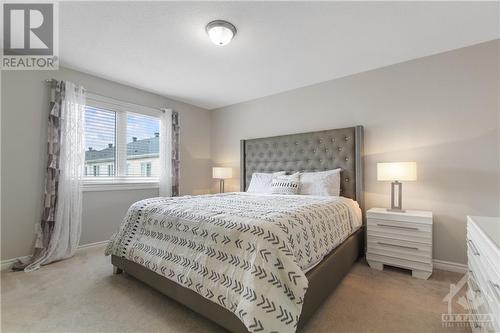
(450,266)
(7,264)
(89,245)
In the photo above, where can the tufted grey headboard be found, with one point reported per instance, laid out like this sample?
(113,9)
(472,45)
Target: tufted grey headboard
(314,151)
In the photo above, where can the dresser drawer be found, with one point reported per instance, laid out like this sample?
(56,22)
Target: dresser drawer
(478,247)
(483,263)
(476,294)
(400,249)
(482,284)
(483,316)
(405,231)
(480,320)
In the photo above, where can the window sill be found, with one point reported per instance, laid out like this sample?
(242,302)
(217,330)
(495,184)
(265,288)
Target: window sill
(99,186)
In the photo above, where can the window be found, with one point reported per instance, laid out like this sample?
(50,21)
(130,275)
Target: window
(143,146)
(99,138)
(121,141)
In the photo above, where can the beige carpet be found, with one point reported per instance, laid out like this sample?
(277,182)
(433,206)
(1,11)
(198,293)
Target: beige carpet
(82,295)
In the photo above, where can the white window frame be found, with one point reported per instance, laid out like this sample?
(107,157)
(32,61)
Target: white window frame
(120,181)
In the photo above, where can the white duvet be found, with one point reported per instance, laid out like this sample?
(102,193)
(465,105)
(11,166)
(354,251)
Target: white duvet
(246,252)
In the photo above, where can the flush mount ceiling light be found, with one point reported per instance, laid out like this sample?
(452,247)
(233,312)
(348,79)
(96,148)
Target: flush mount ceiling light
(220,32)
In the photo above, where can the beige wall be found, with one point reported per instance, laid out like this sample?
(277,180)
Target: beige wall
(23,137)
(441,111)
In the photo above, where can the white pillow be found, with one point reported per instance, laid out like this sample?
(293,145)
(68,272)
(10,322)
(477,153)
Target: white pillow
(261,182)
(325,183)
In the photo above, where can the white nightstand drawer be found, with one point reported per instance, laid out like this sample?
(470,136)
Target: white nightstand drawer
(400,225)
(414,216)
(406,231)
(400,249)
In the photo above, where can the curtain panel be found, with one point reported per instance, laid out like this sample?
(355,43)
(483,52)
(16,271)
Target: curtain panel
(58,232)
(175,154)
(169,153)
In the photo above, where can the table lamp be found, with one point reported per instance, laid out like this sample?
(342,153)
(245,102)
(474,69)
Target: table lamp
(397,172)
(221,174)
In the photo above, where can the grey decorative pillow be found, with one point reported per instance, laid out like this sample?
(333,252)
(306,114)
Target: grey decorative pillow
(286,184)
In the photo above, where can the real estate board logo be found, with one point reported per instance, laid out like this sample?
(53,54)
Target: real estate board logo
(29,36)
(468,301)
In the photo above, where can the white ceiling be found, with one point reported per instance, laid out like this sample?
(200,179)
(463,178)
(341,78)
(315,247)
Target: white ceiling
(162,46)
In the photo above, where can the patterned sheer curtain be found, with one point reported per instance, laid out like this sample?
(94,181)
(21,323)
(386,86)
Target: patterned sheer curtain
(58,232)
(169,153)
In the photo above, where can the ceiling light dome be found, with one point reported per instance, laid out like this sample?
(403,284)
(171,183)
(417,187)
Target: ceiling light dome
(220,32)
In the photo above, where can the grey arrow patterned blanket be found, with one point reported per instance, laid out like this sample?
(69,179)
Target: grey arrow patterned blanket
(245,252)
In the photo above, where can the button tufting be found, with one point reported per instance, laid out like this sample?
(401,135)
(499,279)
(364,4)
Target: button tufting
(302,153)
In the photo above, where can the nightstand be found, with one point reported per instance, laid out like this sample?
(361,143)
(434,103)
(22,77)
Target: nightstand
(400,239)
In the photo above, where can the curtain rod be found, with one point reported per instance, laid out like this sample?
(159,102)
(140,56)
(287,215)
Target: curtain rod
(93,93)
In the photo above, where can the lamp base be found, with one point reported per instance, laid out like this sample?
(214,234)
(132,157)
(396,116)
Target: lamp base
(221,186)
(396,206)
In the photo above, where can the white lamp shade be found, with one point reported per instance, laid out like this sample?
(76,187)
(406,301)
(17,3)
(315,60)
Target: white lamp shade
(222,173)
(401,171)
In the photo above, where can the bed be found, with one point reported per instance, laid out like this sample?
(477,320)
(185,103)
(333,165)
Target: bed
(239,258)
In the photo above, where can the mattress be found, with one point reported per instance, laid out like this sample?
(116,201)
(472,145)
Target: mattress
(245,252)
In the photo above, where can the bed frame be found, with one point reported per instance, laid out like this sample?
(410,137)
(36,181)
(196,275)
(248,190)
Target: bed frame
(314,151)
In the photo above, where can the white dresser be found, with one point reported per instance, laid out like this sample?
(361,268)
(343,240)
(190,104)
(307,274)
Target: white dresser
(483,253)
(401,240)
